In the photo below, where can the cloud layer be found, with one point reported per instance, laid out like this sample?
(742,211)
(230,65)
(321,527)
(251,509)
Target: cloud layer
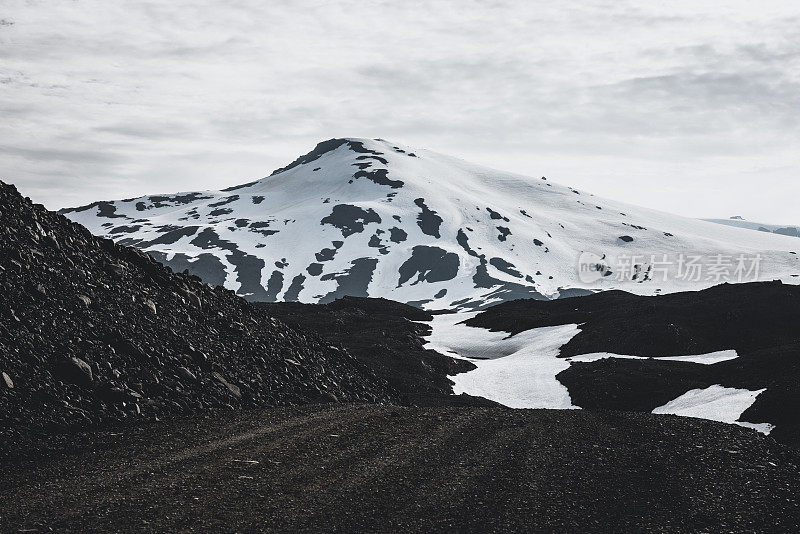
(692,108)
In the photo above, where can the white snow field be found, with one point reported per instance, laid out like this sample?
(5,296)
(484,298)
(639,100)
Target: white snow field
(717,403)
(373,218)
(520,371)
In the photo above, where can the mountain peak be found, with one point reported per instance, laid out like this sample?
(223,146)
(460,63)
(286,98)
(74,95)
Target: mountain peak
(355,144)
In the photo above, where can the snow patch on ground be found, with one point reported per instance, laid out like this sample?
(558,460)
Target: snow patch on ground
(705,359)
(716,403)
(520,371)
(516,371)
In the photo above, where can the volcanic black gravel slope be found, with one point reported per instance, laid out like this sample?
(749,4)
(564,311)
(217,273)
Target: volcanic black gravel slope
(346,468)
(386,337)
(92,332)
(761,321)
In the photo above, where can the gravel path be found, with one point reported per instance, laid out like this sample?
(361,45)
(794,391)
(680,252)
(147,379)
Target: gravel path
(352,468)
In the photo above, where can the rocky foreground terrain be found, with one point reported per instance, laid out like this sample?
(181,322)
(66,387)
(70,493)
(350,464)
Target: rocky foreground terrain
(94,333)
(340,468)
(387,337)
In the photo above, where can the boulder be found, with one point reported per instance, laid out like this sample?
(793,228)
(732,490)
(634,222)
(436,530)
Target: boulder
(186,374)
(74,371)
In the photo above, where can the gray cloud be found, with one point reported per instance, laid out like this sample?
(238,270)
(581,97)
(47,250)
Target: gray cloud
(679,107)
(50,154)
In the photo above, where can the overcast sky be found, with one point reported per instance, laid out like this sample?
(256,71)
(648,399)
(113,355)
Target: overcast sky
(689,107)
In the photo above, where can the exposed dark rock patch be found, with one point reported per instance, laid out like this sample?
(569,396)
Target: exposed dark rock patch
(248,268)
(274,286)
(168,201)
(504,233)
(220,211)
(326,254)
(321,149)
(169,236)
(358,146)
(372,157)
(397,235)
(226,200)
(376,242)
(463,240)
(502,265)
(430,264)
(206,266)
(293,292)
(496,216)
(104,209)
(262,227)
(379,176)
(125,229)
(352,282)
(502,289)
(350,219)
(428,220)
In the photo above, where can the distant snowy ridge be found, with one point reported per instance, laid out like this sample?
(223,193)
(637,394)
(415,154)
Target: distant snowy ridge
(738,222)
(373,218)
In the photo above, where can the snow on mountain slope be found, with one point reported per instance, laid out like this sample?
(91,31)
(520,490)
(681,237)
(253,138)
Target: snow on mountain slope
(738,222)
(372,218)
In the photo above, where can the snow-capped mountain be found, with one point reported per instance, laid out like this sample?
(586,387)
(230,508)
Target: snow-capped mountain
(373,218)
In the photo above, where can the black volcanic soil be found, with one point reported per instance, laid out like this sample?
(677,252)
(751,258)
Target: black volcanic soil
(384,336)
(760,320)
(94,333)
(340,468)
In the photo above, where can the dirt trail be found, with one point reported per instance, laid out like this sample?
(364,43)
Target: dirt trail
(368,468)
